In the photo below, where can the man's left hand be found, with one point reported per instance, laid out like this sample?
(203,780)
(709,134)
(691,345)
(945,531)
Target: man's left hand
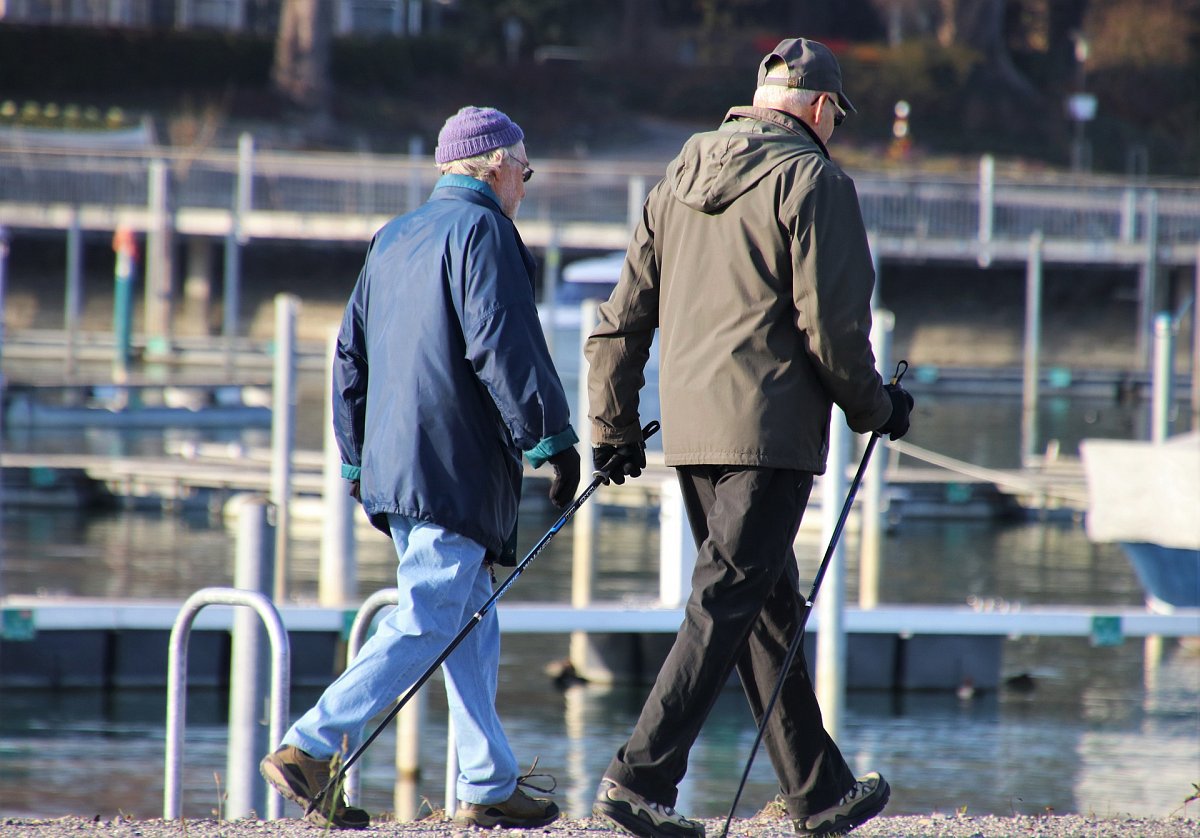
(566,476)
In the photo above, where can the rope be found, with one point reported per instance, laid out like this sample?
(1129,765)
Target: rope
(1034,485)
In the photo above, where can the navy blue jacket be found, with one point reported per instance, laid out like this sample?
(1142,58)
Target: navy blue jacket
(442,377)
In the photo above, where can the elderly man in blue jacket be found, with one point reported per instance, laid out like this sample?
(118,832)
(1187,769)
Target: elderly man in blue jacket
(442,380)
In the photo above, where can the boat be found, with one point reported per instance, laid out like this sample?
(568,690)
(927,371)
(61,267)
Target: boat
(1145,496)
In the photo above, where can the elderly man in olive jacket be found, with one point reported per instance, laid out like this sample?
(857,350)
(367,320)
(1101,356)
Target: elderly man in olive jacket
(752,259)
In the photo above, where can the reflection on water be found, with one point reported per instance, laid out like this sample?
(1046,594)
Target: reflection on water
(1089,739)
(1093,736)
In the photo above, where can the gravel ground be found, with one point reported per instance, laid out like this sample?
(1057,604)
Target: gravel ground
(908,826)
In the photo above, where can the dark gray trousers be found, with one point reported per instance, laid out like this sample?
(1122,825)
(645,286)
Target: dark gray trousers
(743,612)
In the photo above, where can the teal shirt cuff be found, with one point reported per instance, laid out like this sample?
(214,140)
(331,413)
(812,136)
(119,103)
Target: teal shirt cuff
(550,446)
(350,472)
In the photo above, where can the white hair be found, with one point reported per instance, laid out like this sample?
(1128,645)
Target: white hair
(781,98)
(482,166)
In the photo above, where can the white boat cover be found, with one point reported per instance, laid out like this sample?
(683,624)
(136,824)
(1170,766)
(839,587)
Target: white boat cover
(1144,491)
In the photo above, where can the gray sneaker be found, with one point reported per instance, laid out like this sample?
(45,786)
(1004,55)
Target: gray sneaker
(300,777)
(630,812)
(865,800)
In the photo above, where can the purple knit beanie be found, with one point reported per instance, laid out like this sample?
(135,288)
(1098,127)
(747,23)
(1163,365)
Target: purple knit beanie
(474,131)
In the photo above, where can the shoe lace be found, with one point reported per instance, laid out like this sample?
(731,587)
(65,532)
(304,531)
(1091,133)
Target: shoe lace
(859,789)
(525,780)
(669,811)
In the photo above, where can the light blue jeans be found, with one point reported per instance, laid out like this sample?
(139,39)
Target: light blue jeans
(442,581)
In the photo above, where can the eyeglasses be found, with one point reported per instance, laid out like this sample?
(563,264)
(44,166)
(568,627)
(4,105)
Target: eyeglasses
(526,170)
(839,115)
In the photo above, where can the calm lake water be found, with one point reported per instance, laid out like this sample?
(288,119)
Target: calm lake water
(1100,732)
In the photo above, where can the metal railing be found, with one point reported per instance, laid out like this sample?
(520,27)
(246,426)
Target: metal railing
(239,185)
(177,685)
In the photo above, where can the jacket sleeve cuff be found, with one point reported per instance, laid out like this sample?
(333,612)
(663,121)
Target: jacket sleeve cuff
(350,472)
(550,446)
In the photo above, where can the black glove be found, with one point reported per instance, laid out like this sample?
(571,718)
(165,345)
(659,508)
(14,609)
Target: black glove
(616,462)
(566,476)
(896,425)
(355,491)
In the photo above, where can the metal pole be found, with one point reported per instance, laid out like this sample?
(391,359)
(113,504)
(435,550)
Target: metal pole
(405,796)
(338,579)
(244,197)
(636,197)
(1196,347)
(451,790)
(872,513)
(157,291)
(283,425)
(831,635)
(583,536)
(126,249)
(1160,382)
(987,205)
(1148,284)
(240,204)
(1033,341)
(416,150)
(677,547)
(550,280)
(359,631)
(253,571)
(177,655)
(231,298)
(71,309)
(3,398)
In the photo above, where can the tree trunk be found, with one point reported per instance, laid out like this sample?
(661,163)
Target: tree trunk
(301,70)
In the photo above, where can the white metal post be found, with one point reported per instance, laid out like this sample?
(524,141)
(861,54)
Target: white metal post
(338,576)
(283,427)
(583,525)
(1195,346)
(451,769)
(873,508)
(831,598)
(1148,283)
(1033,344)
(676,547)
(74,300)
(987,205)
(253,571)
(1160,382)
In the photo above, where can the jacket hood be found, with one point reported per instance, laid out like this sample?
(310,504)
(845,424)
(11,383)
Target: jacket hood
(716,168)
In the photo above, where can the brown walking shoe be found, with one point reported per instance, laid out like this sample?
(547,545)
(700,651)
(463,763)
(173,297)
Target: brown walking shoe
(300,777)
(520,811)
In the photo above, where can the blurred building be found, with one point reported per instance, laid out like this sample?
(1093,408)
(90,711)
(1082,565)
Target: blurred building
(394,17)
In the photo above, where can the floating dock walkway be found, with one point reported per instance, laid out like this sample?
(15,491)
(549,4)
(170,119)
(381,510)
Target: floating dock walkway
(78,642)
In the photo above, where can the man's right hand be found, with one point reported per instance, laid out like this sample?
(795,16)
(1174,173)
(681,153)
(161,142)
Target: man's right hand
(896,425)
(616,462)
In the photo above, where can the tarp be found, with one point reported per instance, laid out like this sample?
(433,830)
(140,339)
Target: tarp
(1144,491)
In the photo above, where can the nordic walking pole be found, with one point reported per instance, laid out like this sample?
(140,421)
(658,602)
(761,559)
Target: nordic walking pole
(901,368)
(599,478)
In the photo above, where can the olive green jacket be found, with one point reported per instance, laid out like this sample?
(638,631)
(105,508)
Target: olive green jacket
(752,258)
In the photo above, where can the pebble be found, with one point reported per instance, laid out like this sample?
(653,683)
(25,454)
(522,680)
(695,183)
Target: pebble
(1186,825)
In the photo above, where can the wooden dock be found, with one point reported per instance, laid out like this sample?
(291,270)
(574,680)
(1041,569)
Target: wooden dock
(194,472)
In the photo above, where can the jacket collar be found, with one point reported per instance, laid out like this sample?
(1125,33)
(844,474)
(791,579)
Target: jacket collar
(465,182)
(779,119)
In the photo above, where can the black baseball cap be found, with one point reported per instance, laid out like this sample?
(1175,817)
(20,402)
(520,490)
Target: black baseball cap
(811,66)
